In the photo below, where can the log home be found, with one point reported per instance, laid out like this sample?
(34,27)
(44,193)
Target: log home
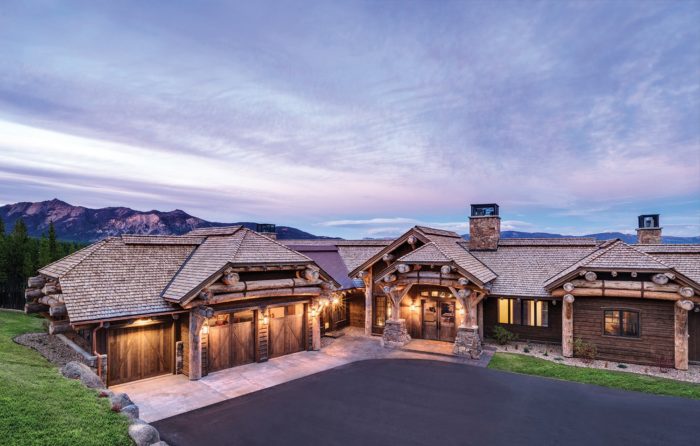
(220,297)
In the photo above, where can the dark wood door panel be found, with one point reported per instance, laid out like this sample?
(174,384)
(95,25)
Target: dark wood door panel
(139,353)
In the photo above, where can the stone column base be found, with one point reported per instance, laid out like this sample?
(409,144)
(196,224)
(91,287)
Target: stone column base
(395,334)
(468,343)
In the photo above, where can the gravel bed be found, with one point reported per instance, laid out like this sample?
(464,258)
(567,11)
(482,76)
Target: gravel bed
(50,347)
(553,354)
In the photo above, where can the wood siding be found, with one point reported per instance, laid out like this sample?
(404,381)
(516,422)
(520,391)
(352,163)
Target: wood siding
(694,339)
(185,337)
(139,352)
(552,333)
(655,344)
(231,344)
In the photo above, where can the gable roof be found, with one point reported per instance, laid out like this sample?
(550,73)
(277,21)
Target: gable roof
(328,258)
(612,255)
(425,254)
(241,247)
(448,243)
(683,258)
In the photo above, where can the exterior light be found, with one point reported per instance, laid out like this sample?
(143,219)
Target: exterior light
(266,320)
(461,311)
(413,306)
(388,311)
(205,329)
(335,300)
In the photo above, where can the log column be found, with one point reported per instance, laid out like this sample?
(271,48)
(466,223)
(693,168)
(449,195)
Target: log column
(567,326)
(198,316)
(680,355)
(369,300)
(315,310)
(395,332)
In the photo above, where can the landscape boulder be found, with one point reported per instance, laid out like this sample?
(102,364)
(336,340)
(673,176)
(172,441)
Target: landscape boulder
(144,434)
(120,401)
(131,411)
(78,370)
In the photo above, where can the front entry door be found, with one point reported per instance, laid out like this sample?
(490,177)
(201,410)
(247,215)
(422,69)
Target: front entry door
(439,319)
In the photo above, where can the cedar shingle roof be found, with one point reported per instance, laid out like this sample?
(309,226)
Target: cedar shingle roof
(161,240)
(522,269)
(683,258)
(612,255)
(120,279)
(353,252)
(220,230)
(425,254)
(242,247)
(62,266)
(561,241)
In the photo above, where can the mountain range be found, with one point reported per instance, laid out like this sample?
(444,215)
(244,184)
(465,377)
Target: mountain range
(81,224)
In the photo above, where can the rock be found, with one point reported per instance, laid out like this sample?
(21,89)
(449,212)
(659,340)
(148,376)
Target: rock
(119,401)
(395,334)
(467,343)
(160,443)
(78,370)
(143,434)
(105,393)
(131,411)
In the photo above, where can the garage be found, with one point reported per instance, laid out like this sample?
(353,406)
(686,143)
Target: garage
(231,340)
(139,351)
(286,330)
(694,337)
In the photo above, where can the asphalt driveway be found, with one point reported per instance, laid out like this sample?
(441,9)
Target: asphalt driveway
(418,402)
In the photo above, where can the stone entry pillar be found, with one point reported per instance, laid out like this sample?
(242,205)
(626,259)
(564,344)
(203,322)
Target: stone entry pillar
(395,331)
(468,340)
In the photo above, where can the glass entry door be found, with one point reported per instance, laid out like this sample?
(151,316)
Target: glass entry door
(438,319)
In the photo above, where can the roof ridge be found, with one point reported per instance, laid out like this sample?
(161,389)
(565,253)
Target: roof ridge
(600,250)
(649,255)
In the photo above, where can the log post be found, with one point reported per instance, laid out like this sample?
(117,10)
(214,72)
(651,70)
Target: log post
(680,340)
(369,299)
(315,325)
(567,326)
(197,318)
(463,297)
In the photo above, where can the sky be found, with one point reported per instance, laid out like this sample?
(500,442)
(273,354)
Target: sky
(357,118)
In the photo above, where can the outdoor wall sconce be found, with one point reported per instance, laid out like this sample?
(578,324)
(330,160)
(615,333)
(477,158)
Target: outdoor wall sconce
(266,320)
(205,329)
(335,300)
(554,303)
(413,306)
(461,311)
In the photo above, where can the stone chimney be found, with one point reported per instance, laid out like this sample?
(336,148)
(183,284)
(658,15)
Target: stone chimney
(649,231)
(484,227)
(266,229)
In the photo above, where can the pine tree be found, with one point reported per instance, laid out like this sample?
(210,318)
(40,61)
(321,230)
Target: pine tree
(54,254)
(44,251)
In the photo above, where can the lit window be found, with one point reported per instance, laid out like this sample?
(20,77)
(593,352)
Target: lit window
(621,323)
(523,312)
(380,307)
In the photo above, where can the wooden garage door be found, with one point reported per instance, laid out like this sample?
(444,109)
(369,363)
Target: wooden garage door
(694,338)
(231,340)
(139,352)
(286,330)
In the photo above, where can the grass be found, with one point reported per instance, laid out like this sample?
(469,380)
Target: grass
(528,365)
(38,406)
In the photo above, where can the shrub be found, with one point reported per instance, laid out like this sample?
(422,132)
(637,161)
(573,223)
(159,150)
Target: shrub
(621,366)
(585,350)
(526,349)
(503,336)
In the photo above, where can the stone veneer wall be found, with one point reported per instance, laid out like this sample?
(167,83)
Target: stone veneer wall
(484,232)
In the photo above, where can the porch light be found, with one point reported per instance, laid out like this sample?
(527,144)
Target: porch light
(335,300)
(461,311)
(205,329)
(388,311)
(266,320)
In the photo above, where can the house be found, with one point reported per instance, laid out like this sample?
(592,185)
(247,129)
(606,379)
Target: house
(220,297)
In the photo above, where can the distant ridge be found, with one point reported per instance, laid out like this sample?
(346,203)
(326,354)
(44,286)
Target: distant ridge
(627,238)
(81,224)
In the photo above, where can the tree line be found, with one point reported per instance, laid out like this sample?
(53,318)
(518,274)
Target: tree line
(21,256)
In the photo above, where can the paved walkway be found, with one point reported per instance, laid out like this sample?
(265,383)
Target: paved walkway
(170,395)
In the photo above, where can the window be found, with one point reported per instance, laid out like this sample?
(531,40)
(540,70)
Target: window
(534,313)
(621,323)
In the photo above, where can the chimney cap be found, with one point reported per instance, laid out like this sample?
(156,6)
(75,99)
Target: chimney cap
(265,227)
(484,210)
(648,221)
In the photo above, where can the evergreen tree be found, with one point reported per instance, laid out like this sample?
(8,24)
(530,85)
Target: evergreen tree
(17,254)
(44,251)
(54,253)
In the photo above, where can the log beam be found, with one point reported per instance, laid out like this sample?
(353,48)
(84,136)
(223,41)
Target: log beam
(56,327)
(35,307)
(57,310)
(231,297)
(36,282)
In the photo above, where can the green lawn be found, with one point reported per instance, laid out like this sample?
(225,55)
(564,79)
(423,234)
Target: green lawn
(528,365)
(38,406)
